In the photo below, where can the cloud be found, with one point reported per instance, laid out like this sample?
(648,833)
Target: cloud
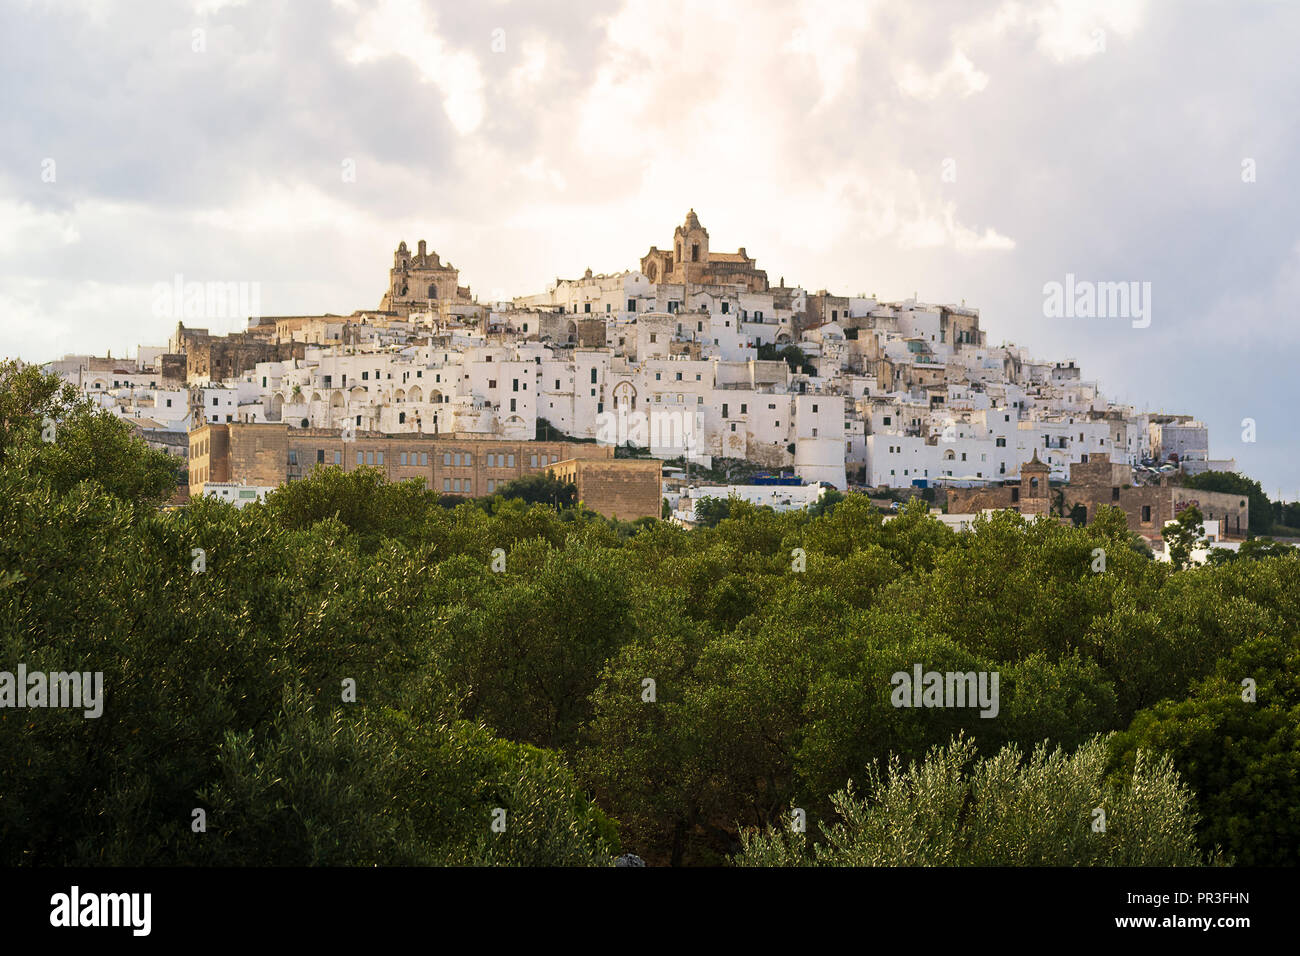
(959,150)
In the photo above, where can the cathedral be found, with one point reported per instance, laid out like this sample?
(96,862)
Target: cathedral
(690,261)
(418,283)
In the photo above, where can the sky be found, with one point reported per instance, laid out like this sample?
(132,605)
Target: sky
(964,151)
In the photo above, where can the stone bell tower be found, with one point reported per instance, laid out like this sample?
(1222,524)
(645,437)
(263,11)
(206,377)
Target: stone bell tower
(1035,487)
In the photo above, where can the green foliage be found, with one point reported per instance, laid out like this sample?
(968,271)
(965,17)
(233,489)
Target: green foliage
(792,354)
(709,511)
(1183,535)
(825,504)
(952,809)
(541,489)
(522,653)
(1241,756)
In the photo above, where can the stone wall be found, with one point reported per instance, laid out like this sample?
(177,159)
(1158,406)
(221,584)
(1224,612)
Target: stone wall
(623,488)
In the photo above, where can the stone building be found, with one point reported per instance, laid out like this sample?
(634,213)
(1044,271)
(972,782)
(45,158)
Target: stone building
(238,453)
(623,488)
(421,283)
(210,358)
(691,261)
(269,455)
(1099,482)
(1030,496)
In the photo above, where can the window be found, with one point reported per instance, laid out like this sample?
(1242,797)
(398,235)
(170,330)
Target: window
(424,458)
(490,460)
(370,458)
(1146,514)
(593,371)
(1114,494)
(320,456)
(338,458)
(532,461)
(510,461)
(512,405)
(492,383)
(361,458)
(469,460)
(379,458)
(446,458)
(726,307)
(446,484)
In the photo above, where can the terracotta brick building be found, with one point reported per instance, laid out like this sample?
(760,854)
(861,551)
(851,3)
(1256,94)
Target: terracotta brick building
(268,455)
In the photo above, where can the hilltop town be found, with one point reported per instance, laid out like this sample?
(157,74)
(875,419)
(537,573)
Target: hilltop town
(694,357)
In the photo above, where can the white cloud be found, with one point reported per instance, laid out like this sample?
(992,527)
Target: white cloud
(401,28)
(959,77)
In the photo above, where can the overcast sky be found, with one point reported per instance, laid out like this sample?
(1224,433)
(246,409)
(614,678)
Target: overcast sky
(955,150)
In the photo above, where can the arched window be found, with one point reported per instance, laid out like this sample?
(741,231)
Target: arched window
(433,291)
(679,252)
(695,252)
(1033,484)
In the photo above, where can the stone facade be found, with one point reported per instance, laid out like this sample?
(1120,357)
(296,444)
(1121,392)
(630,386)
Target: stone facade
(623,488)
(1030,496)
(690,261)
(268,455)
(251,454)
(421,283)
(1099,482)
(211,358)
